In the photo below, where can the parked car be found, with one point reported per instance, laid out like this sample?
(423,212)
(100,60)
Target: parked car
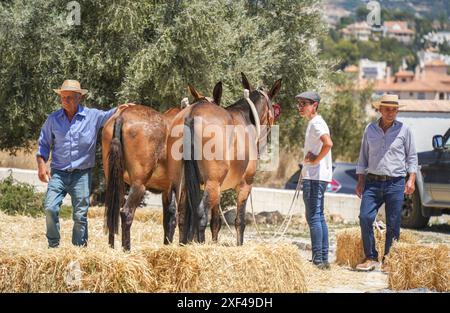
(344,179)
(432,194)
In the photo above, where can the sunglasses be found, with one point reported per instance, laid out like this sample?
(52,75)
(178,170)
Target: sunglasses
(302,103)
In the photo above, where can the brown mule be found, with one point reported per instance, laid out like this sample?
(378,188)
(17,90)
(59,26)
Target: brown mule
(134,152)
(233,164)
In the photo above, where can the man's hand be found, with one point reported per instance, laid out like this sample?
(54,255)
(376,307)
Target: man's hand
(43,173)
(410,187)
(359,189)
(122,107)
(119,110)
(360,186)
(310,159)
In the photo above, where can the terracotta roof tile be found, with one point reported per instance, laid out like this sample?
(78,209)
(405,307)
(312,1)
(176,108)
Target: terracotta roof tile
(431,106)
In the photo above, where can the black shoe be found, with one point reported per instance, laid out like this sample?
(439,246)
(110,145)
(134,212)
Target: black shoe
(326,265)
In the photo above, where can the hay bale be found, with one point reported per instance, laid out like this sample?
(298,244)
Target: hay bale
(349,246)
(52,272)
(419,266)
(197,268)
(27,265)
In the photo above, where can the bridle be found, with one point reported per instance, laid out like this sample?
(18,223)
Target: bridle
(270,113)
(269,116)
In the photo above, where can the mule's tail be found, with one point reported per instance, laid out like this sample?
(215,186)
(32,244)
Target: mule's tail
(191,182)
(115,185)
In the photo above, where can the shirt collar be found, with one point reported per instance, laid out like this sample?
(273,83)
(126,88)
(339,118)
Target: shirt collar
(81,111)
(395,124)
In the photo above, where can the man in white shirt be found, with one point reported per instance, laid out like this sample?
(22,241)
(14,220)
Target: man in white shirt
(316,174)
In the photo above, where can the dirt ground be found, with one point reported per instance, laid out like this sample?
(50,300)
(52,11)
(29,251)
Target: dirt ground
(147,230)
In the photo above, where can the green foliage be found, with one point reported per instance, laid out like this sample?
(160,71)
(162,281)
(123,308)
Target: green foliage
(346,117)
(148,51)
(346,52)
(228,199)
(20,198)
(445,48)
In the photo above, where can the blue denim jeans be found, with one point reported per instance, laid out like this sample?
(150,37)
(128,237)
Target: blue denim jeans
(77,184)
(375,193)
(313,196)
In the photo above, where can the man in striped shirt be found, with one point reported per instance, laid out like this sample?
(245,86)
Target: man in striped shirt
(387,156)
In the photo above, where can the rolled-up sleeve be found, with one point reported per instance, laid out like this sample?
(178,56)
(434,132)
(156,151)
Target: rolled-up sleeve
(363,159)
(45,140)
(410,152)
(105,115)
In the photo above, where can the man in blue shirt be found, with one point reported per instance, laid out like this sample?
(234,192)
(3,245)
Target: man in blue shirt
(387,155)
(70,134)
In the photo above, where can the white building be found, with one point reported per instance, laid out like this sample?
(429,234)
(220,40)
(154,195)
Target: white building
(428,56)
(425,118)
(398,30)
(438,37)
(333,14)
(372,70)
(429,83)
(359,30)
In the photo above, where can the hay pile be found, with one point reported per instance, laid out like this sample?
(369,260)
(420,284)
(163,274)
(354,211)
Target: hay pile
(349,246)
(419,266)
(27,265)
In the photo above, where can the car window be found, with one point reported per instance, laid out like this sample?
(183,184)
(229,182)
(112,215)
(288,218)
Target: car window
(294,178)
(447,144)
(352,173)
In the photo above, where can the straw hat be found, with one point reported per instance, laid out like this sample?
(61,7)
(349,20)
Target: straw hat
(71,85)
(388,101)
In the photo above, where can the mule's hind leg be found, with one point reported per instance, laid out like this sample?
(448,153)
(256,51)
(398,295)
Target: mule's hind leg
(216,221)
(135,196)
(210,199)
(243,191)
(181,213)
(169,215)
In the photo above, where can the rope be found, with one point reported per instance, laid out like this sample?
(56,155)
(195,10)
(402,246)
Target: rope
(226,223)
(280,234)
(254,220)
(290,212)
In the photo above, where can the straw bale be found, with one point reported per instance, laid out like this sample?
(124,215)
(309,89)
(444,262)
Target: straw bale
(414,266)
(349,246)
(28,265)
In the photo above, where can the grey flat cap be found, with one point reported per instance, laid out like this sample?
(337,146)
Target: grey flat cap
(310,95)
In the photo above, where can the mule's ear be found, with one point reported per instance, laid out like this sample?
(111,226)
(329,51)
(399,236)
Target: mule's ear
(245,82)
(217,93)
(195,93)
(275,89)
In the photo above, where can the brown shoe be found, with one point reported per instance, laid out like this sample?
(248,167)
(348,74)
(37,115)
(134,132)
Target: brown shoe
(367,266)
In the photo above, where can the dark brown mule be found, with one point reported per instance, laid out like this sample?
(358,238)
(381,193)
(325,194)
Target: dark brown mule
(134,152)
(234,165)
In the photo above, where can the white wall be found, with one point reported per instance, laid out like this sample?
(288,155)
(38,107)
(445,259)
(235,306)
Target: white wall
(415,95)
(424,126)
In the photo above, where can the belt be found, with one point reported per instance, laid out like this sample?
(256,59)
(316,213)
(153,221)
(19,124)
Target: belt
(73,170)
(374,177)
